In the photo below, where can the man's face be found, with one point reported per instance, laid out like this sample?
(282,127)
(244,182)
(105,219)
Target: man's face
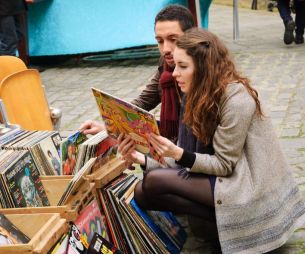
(167,32)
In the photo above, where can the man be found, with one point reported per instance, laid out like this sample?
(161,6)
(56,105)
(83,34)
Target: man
(170,23)
(11,30)
(290,25)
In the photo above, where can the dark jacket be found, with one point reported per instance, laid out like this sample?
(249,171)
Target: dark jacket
(151,96)
(12,7)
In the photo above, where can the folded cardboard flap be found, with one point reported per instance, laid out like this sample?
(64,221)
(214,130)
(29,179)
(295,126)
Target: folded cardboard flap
(55,187)
(107,172)
(44,230)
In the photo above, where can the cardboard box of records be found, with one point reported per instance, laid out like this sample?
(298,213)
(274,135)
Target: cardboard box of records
(27,187)
(66,195)
(30,233)
(66,199)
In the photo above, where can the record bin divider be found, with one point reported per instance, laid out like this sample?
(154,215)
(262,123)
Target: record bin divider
(107,172)
(44,230)
(45,225)
(55,187)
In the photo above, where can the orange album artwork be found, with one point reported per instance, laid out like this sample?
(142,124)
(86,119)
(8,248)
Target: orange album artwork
(123,117)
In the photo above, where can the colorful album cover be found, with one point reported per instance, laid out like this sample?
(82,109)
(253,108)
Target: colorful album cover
(50,153)
(69,151)
(105,145)
(100,245)
(169,225)
(76,243)
(61,246)
(105,151)
(171,246)
(123,117)
(23,181)
(91,221)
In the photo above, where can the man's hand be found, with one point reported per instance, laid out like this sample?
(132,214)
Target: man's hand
(127,150)
(165,147)
(91,127)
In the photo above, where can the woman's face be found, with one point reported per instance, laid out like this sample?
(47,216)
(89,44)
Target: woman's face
(184,69)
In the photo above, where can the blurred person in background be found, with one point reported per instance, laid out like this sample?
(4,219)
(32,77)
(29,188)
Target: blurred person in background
(11,30)
(292,26)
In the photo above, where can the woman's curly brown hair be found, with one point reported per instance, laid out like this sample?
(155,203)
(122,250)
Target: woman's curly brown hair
(214,70)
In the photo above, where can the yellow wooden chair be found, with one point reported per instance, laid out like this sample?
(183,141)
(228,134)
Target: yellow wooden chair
(9,65)
(26,104)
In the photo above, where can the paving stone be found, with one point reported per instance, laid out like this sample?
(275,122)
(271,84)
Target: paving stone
(290,132)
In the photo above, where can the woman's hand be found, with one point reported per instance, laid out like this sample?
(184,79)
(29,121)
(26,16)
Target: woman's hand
(127,149)
(165,147)
(91,127)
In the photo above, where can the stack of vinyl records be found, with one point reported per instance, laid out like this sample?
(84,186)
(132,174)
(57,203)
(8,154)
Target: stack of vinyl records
(88,149)
(43,146)
(77,149)
(20,184)
(7,134)
(134,230)
(7,130)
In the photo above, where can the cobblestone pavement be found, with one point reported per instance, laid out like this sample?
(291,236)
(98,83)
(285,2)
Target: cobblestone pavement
(277,71)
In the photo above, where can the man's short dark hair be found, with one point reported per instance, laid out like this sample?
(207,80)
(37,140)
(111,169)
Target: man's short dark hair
(176,12)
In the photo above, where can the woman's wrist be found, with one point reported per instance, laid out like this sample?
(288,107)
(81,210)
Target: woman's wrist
(140,159)
(178,153)
(145,164)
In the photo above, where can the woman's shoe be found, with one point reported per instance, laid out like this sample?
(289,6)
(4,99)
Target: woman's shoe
(299,39)
(288,35)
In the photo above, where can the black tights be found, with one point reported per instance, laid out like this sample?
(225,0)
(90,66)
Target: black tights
(165,190)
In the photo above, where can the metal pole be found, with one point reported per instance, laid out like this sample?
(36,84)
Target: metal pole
(254,5)
(198,13)
(235,20)
(3,115)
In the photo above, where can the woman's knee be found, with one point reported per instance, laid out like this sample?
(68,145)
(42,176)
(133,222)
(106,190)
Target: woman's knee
(139,195)
(151,182)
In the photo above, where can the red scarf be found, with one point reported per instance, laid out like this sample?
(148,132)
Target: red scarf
(169,118)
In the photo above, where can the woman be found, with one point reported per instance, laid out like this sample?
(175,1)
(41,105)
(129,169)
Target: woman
(233,170)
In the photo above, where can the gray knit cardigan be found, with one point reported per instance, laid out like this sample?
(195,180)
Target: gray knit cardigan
(257,202)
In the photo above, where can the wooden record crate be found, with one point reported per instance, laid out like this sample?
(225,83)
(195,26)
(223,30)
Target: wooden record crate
(44,230)
(106,173)
(55,187)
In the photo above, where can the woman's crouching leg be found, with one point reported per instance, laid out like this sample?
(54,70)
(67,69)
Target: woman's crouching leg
(166,190)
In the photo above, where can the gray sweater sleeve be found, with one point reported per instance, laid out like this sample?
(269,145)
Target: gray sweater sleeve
(170,163)
(236,113)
